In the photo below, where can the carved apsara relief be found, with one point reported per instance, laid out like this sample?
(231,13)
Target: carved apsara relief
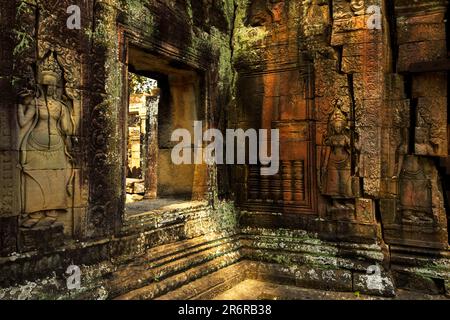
(46,125)
(336,179)
(415,193)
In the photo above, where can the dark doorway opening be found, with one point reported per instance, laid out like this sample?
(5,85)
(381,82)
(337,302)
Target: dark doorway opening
(163,96)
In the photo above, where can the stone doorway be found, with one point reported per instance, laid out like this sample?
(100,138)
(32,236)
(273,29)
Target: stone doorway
(169,96)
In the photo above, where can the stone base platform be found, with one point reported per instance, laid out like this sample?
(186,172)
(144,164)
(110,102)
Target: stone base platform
(294,264)
(259,290)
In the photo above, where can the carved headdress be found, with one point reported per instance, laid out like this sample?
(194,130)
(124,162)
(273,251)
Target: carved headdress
(50,72)
(338,119)
(338,116)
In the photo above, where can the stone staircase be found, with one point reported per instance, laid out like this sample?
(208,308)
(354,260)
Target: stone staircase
(166,268)
(202,269)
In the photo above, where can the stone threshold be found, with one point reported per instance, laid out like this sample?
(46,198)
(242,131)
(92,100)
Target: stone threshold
(260,290)
(163,216)
(141,209)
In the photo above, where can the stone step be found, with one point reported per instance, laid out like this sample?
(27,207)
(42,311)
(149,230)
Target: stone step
(313,277)
(151,219)
(159,288)
(166,254)
(211,285)
(171,263)
(309,251)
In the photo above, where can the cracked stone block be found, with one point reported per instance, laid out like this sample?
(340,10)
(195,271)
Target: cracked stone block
(379,283)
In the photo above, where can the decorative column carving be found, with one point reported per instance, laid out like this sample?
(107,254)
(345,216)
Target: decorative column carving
(276,190)
(253,182)
(286,171)
(299,180)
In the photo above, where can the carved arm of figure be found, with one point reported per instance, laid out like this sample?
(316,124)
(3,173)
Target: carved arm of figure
(74,108)
(67,124)
(26,111)
(347,143)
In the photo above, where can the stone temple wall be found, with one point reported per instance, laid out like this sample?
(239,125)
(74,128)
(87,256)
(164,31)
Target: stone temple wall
(63,187)
(360,101)
(362,114)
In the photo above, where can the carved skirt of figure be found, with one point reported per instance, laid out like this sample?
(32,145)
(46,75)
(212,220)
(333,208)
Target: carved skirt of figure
(45,175)
(415,188)
(337,178)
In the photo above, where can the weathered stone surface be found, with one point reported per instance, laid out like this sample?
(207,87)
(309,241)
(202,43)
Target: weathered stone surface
(46,238)
(431,129)
(8,185)
(375,284)
(270,291)
(8,238)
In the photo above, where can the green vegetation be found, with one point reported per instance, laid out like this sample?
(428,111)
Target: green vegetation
(140,84)
(23,37)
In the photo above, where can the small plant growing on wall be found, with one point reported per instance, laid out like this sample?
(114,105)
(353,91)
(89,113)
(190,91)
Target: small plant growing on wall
(21,34)
(141,85)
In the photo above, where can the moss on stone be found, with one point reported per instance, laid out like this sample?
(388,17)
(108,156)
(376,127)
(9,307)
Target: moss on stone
(246,39)
(25,40)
